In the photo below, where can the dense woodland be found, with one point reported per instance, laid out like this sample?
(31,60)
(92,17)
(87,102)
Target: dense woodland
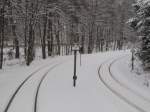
(55,25)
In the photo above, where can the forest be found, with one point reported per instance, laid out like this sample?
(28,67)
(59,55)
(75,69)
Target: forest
(51,27)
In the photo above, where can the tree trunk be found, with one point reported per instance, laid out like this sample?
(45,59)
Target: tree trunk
(16,42)
(90,43)
(44,38)
(25,32)
(102,44)
(58,38)
(25,40)
(2,36)
(17,55)
(107,46)
(30,51)
(50,38)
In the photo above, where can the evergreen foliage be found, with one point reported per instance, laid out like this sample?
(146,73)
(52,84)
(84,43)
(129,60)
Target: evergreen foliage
(141,24)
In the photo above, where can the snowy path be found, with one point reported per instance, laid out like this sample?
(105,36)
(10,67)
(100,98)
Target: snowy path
(21,93)
(52,88)
(27,97)
(137,95)
(130,79)
(90,95)
(123,92)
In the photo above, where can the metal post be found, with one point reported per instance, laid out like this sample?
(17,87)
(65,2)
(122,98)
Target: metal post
(132,60)
(81,51)
(80,60)
(75,77)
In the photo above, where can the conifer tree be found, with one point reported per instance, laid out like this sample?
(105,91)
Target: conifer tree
(141,24)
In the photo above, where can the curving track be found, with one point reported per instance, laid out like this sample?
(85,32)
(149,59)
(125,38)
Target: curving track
(123,85)
(117,93)
(14,95)
(39,85)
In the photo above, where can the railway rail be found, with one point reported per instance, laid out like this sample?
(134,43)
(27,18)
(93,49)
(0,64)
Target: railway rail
(118,94)
(14,95)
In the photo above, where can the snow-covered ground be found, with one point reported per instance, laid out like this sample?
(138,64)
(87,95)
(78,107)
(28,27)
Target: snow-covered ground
(123,73)
(133,81)
(57,93)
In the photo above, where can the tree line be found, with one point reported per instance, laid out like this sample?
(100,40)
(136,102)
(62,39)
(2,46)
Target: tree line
(55,25)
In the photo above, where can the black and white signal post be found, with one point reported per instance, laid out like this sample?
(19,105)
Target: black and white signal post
(76,48)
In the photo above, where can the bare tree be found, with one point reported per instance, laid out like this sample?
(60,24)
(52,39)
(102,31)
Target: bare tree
(45,16)
(2,36)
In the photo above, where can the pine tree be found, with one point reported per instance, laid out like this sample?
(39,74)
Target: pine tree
(141,24)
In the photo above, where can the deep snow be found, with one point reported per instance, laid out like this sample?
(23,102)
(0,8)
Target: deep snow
(57,93)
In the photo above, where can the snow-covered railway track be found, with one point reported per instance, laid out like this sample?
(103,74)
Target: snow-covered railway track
(114,91)
(23,83)
(122,84)
(39,85)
